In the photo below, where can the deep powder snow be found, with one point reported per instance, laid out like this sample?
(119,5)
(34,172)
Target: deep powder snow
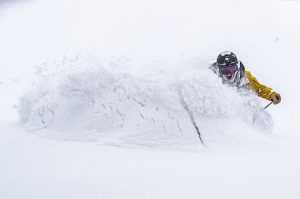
(120,101)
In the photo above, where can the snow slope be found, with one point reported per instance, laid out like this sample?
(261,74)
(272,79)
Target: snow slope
(149,50)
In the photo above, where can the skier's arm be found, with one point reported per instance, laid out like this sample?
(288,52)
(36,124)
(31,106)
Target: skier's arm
(261,90)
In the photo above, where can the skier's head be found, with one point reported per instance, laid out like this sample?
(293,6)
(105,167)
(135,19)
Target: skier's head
(227,63)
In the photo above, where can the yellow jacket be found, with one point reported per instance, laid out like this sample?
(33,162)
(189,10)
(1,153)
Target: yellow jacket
(261,90)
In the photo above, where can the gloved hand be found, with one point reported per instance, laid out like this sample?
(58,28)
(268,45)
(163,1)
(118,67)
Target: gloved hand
(275,98)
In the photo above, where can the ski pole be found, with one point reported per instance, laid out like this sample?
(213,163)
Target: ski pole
(269,105)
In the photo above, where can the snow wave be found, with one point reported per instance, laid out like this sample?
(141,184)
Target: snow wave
(121,101)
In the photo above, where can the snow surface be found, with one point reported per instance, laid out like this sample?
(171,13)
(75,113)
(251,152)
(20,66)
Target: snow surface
(105,115)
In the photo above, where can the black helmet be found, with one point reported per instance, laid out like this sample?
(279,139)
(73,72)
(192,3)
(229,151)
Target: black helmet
(227,58)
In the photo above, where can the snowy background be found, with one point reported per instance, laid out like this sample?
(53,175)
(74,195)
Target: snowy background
(91,107)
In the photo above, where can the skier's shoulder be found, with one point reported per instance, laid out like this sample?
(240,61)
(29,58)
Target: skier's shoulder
(214,68)
(213,65)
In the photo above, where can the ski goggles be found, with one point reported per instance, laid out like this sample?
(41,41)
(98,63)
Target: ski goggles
(227,70)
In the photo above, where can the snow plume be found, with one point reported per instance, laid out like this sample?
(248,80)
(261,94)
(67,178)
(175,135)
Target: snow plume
(120,101)
(224,115)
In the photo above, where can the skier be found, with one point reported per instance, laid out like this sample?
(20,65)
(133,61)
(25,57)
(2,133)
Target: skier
(233,73)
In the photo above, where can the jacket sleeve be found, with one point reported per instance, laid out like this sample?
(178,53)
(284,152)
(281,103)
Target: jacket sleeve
(261,90)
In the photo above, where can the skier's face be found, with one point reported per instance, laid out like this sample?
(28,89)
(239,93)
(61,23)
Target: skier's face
(228,71)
